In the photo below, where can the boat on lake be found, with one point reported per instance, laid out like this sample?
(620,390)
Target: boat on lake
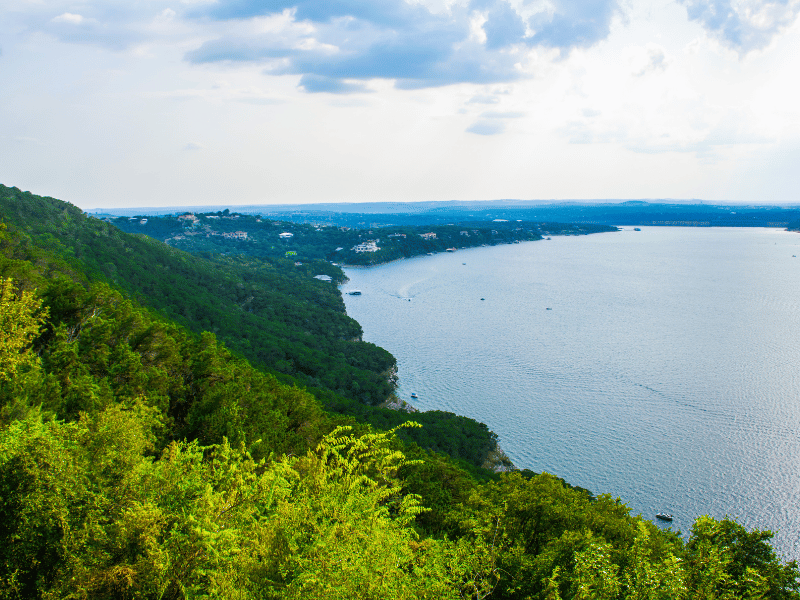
(354,292)
(414,394)
(664,516)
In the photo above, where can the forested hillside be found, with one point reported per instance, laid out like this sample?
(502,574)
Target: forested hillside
(141,459)
(270,310)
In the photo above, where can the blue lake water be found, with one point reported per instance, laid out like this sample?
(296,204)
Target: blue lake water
(666,370)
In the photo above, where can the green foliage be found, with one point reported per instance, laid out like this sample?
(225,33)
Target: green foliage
(649,579)
(93,515)
(20,323)
(727,561)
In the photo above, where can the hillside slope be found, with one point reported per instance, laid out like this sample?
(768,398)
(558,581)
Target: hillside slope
(269,310)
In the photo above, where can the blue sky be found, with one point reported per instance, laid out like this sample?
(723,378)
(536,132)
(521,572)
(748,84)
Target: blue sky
(110,103)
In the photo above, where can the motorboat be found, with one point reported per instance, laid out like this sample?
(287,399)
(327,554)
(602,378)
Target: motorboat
(664,516)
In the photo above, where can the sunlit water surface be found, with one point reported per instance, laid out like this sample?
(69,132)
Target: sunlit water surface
(661,366)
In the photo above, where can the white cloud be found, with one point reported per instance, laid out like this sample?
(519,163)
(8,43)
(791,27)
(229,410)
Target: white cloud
(166,15)
(69,18)
(487,127)
(650,58)
(744,25)
(483,99)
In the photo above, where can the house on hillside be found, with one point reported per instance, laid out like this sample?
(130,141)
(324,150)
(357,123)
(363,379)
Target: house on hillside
(428,236)
(369,246)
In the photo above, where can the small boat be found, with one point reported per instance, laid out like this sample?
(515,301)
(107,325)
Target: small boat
(354,292)
(636,229)
(414,394)
(664,516)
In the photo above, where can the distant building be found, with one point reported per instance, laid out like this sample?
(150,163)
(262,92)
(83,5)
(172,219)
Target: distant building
(464,233)
(323,277)
(402,235)
(235,235)
(285,235)
(428,236)
(189,220)
(369,246)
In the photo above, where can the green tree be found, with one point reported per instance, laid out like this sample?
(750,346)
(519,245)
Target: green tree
(21,321)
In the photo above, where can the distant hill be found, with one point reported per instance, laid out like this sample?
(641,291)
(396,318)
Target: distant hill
(606,212)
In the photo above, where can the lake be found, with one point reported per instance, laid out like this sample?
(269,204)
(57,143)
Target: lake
(661,366)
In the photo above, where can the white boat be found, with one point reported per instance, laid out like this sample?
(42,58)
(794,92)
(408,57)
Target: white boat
(664,516)
(414,394)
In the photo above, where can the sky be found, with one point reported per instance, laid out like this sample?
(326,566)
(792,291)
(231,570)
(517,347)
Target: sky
(120,103)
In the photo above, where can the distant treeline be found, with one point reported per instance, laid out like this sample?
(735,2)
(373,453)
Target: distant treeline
(630,213)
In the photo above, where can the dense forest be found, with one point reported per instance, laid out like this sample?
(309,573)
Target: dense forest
(142,458)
